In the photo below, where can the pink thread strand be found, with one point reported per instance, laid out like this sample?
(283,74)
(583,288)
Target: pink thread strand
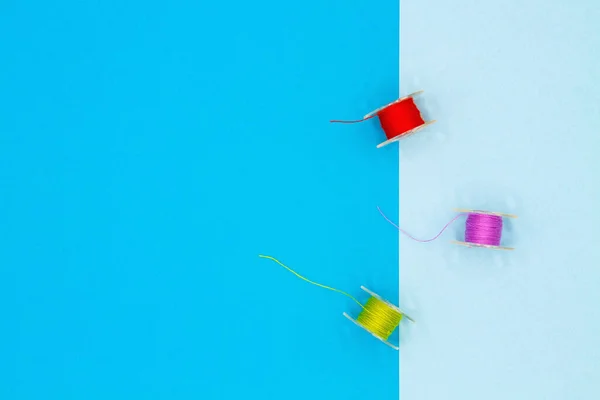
(414,238)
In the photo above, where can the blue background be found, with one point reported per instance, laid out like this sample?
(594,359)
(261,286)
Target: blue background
(515,88)
(149,152)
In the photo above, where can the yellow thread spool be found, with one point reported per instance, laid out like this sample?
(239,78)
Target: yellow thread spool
(379,317)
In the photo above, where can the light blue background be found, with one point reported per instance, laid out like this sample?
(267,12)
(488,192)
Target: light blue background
(149,152)
(515,87)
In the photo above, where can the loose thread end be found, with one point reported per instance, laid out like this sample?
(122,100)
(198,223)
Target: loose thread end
(342,121)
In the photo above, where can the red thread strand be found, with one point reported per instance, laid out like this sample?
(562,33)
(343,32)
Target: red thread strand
(341,121)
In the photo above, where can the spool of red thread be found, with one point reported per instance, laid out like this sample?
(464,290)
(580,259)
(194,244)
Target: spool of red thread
(398,119)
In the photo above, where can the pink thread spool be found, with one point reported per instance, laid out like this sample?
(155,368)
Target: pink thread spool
(484,229)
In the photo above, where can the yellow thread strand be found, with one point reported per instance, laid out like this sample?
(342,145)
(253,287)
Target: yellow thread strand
(381,320)
(309,281)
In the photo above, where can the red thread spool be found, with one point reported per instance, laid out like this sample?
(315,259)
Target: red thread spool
(398,119)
